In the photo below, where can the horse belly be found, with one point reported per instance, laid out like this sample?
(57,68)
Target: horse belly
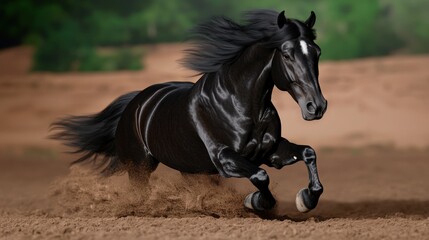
(185,155)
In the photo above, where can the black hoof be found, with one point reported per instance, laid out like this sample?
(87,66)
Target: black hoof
(304,201)
(255,201)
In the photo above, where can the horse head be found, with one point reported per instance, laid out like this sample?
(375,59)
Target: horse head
(295,65)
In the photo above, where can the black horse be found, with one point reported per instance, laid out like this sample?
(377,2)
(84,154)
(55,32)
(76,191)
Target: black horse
(225,123)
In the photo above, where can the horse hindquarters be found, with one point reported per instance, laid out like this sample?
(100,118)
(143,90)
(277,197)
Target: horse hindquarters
(155,127)
(131,140)
(131,149)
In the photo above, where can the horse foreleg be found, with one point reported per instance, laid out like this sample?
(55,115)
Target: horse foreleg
(235,165)
(288,153)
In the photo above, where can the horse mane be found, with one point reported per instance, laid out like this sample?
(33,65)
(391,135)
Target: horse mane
(220,40)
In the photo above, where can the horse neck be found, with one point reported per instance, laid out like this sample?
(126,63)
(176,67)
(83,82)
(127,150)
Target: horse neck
(249,78)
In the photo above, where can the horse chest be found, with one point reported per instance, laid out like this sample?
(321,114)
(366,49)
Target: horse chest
(262,138)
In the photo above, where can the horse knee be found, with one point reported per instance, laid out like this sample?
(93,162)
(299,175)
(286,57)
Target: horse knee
(260,178)
(308,154)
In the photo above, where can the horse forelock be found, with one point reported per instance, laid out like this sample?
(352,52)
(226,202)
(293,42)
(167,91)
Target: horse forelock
(220,40)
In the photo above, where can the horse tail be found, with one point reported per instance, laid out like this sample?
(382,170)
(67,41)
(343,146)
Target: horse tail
(94,135)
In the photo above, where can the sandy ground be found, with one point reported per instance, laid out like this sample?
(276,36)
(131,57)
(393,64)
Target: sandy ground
(373,148)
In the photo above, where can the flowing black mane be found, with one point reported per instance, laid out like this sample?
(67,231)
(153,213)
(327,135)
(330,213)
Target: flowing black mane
(220,40)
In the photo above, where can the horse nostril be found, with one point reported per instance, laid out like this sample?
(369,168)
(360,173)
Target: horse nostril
(311,108)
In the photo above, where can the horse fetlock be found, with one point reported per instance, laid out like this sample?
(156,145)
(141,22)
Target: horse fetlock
(316,190)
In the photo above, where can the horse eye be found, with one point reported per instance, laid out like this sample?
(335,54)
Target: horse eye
(288,55)
(318,51)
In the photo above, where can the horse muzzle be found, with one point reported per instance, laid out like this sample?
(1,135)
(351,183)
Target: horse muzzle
(313,111)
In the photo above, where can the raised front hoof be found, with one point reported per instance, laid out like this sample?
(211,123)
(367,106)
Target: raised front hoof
(304,203)
(255,202)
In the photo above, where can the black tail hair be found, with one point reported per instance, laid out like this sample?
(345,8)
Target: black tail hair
(94,135)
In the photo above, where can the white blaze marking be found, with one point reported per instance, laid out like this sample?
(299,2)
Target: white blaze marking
(304,47)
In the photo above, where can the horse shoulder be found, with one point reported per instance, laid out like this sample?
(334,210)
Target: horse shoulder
(266,133)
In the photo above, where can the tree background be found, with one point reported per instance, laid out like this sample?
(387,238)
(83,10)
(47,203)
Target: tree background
(68,34)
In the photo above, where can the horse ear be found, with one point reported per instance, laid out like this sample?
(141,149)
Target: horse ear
(281,19)
(311,20)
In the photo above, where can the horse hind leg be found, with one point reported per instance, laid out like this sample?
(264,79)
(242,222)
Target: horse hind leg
(211,179)
(130,148)
(139,172)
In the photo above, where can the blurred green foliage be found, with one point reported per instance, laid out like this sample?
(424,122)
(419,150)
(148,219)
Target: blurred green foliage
(67,33)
